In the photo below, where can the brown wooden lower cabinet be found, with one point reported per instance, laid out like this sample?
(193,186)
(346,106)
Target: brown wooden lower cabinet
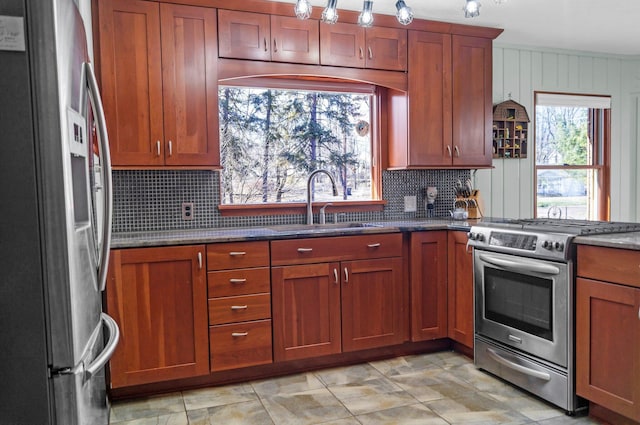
(238,345)
(158,297)
(608,346)
(608,330)
(336,306)
(428,285)
(460,289)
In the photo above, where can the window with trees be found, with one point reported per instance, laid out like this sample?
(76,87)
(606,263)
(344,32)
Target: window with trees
(274,135)
(572,155)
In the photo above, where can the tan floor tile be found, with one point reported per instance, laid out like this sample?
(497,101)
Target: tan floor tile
(416,414)
(433,384)
(246,413)
(162,405)
(171,419)
(349,374)
(304,408)
(376,402)
(218,396)
(287,384)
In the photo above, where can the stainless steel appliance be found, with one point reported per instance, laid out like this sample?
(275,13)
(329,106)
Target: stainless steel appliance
(56,220)
(524,302)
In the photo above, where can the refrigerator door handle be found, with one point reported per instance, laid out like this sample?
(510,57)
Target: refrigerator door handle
(102,358)
(105,158)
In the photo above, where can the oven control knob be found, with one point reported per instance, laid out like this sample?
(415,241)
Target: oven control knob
(559,246)
(547,245)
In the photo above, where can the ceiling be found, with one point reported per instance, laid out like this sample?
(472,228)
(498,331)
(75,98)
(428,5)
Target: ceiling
(603,26)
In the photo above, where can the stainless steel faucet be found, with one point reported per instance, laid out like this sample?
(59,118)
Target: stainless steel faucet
(311,176)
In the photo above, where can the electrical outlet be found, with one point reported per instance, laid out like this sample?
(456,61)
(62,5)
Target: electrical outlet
(410,204)
(187,210)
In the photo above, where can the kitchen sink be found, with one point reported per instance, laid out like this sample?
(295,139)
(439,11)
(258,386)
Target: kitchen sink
(315,228)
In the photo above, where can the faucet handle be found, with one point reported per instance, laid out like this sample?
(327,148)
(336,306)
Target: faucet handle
(322,213)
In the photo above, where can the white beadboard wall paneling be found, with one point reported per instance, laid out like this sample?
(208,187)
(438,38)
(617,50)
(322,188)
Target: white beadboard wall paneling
(508,188)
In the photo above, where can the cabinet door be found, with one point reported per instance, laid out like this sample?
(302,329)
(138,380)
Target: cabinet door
(372,313)
(460,288)
(190,89)
(158,297)
(131,77)
(306,311)
(342,44)
(295,40)
(429,80)
(472,101)
(608,346)
(386,48)
(244,35)
(428,285)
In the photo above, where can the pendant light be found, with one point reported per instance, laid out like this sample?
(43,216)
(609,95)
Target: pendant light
(330,13)
(365,19)
(303,9)
(404,14)
(471,9)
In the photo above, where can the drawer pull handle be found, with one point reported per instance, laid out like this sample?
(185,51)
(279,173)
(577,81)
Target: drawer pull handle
(237,281)
(449,150)
(305,249)
(346,275)
(170,148)
(157,147)
(237,253)
(370,52)
(239,307)
(199,260)
(239,334)
(335,275)
(457,151)
(374,245)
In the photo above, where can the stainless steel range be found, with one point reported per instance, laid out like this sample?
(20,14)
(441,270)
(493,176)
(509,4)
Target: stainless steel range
(524,301)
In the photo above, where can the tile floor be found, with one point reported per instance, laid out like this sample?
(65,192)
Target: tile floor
(431,389)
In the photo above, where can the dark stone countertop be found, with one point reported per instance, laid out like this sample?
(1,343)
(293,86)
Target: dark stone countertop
(612,240)
(285,231)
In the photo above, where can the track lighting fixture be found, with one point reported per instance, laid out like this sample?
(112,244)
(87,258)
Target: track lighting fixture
(471,9)
(365,19)
(303,9)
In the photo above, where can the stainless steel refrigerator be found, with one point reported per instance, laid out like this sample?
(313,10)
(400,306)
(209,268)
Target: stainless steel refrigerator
(55,219)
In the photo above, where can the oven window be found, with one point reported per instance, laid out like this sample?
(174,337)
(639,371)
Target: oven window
(519,301)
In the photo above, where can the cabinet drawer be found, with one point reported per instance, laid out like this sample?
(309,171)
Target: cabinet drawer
(240,345)
(237,255)
(229,283)
(315,250)
(609,264)
(239,309)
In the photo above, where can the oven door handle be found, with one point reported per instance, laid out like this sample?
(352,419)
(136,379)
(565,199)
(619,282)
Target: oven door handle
(521,265)
(519,368)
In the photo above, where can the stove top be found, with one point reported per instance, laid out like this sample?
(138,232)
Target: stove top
(566,226)
(544,238)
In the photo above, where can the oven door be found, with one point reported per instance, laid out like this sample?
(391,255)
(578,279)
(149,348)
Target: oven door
(523,303)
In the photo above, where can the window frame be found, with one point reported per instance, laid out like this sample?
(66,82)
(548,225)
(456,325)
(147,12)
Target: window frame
(601,154)
(325,84)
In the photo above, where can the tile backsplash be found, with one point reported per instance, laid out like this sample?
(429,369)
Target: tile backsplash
(151,200)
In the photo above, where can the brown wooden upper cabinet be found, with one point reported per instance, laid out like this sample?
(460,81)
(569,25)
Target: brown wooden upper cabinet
(345,44)
(159,83)
(257,36)
(448,104)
